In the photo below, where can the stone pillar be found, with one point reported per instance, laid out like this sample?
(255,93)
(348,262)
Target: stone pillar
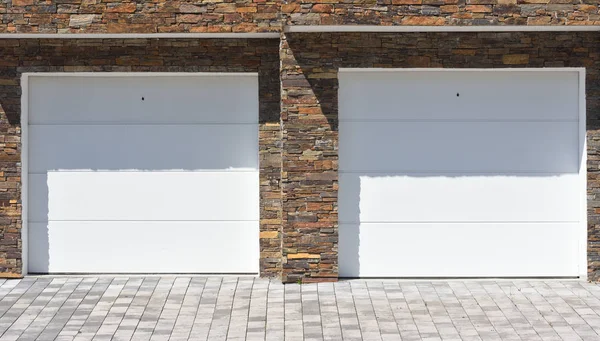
(309,170)
(11,257)
(270,199)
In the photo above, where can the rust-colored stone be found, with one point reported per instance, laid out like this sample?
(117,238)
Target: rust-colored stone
(423,21)
(479,8)
(269,234)
(303,256)
(130,28)
(322,8)
(22,2)
(512,59)
(129,7)
(10,275)
(407,2)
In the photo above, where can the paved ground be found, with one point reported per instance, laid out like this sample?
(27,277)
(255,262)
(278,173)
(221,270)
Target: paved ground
(213,308)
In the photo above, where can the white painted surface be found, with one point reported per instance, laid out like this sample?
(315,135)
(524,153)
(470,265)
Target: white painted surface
(152,195)
(430,28)
(167,184)
(458,249)
(167,99)
(24,172)
(583,218)
(307,28)
(435,185)
(429,95)
(143,147)
(144,246)
(460,146)
(378,197)
(216,35)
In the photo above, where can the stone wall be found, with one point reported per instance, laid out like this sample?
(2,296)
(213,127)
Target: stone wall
(139,55)
(442,12)
(298,140)
(102,16)
(309,114)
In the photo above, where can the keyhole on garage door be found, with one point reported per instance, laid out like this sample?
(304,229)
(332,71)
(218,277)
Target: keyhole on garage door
(457,94)
(142,98)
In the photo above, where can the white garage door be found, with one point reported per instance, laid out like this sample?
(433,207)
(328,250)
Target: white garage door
(460,174)
(143,174)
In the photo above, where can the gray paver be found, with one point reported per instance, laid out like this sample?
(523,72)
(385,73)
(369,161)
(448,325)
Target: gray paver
(177,308)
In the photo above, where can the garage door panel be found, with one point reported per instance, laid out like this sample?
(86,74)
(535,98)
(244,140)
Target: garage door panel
(458,250)
(144,196)
(462,198)
(166,99)
(143,173)
(460,173)
(107,247)
(460,146)
(142,147)
(426,95)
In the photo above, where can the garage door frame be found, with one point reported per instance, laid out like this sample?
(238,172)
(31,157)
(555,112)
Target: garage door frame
(582,145)
(24,124)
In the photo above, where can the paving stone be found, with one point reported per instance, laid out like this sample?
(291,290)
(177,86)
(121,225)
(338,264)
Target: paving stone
(213,308)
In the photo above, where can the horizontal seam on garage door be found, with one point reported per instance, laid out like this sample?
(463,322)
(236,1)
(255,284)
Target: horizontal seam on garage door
(373,120)
(135,220)
(457,172)
(142,124)
(144,73)
(462,222)
(145,171)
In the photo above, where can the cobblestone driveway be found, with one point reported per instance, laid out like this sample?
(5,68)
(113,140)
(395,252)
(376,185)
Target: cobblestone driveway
(230,308)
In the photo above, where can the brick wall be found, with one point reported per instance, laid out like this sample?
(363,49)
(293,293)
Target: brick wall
(309,114)
(140,55)
(441,12)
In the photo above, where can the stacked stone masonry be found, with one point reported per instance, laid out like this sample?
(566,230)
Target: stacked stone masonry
(442,12)
(218,16)
(298,138)
(101,16)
